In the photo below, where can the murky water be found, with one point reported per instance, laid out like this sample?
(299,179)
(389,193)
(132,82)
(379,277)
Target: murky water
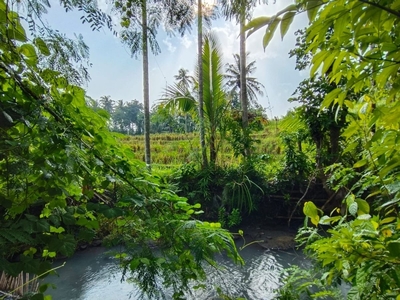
(93,274)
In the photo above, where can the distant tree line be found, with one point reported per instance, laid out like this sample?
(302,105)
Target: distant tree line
(127,117)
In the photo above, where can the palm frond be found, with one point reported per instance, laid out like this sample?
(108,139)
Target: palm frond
(213,93)
(177,98)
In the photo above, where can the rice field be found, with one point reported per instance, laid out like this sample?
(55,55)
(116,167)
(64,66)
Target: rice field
(169,150)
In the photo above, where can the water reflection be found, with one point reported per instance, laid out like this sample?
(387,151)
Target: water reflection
(93,274)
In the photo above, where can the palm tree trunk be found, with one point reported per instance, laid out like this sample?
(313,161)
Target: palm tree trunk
(200,63)
(213,149)
(243,91)
(146,100)
(334,138)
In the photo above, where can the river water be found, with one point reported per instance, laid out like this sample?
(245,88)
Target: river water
(93,274)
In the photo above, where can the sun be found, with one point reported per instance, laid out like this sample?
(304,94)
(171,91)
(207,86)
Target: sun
(209,3)
(208,6)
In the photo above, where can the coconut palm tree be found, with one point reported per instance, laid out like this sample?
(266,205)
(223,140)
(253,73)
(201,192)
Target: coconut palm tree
(107,104)
(215,101)
(183,78)
(233,82)
(141,20)
(185,81)
(200,80)
(240,10)
(177,98)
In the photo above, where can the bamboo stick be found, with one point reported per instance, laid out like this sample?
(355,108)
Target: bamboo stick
(21,283)
(18,285)
(26,288)
(9,283)
(3,279)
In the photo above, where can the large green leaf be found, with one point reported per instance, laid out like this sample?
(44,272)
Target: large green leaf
(269,32)
(311,211)
(16,31)
(312,7)
(64,244)
(42,46)
(394,249)
(256,24)
(287,20)
(331,97)
(30,53)
(363,207)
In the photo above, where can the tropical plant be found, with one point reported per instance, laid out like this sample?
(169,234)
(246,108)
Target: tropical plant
(215,99)
(184,86)
(202,12)
(302,284)
(232,77)
(225,193)
(240,191)
(229,219)
(183,79)
(297,167)
(93,103)
(164,121)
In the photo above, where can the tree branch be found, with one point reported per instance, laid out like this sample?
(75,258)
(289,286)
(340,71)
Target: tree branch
(60,119)
(389,10)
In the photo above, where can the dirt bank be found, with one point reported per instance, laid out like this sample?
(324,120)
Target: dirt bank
(270,237)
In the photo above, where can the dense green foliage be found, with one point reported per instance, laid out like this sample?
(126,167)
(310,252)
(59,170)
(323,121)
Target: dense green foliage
(355,43)
(64,177)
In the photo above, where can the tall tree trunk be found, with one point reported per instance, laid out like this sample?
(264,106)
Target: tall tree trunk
(318,155)
(243,90)
(186,123)
(334,137)
(213,149)
(146,98)
(200,63)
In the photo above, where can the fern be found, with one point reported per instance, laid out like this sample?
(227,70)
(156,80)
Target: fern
(306,284)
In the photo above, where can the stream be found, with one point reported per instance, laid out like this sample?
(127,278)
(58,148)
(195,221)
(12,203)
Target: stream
(93,274)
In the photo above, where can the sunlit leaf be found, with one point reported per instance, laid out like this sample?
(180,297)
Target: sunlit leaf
(269,33)
(42,46)
(363,207)
(287,20)
(256,24)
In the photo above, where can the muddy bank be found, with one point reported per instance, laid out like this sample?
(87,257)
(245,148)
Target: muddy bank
(270,237)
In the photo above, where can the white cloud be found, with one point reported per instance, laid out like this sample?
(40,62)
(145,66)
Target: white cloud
(186,42)
(228,39)
(170,46)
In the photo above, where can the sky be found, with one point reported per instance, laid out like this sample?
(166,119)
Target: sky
(114,72)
